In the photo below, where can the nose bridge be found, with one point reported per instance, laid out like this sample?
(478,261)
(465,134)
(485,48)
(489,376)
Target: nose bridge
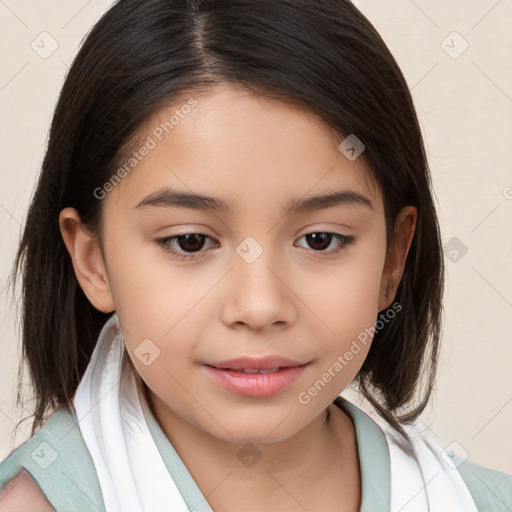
(258,259)
(257,264)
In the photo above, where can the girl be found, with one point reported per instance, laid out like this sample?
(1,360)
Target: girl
(233,222)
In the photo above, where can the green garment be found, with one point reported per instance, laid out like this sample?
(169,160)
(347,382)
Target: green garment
(59,462)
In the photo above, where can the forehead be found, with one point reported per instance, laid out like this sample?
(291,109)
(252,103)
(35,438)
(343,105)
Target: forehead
(245,149)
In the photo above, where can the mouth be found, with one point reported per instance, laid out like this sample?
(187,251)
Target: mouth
(255,382)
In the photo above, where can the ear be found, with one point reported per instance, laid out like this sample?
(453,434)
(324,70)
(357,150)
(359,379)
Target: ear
(88,262)
(396,256)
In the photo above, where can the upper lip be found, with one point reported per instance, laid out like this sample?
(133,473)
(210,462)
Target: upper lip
(259,363)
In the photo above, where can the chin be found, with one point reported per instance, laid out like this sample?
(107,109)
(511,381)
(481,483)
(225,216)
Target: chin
(245,431)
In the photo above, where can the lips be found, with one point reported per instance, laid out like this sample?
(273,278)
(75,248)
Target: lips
(255,376)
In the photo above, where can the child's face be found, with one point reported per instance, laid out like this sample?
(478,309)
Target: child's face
(256,285)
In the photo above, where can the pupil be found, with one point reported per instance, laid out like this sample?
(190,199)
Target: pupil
(189,240)
(318,238)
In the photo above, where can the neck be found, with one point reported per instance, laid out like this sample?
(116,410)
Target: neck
(324,452)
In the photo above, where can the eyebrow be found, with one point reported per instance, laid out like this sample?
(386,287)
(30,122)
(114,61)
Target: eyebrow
(167,197)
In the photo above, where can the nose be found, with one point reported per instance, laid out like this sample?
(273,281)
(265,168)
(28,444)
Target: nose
(258,295)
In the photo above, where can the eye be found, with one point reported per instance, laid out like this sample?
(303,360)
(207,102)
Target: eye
(320,241)
(188,242)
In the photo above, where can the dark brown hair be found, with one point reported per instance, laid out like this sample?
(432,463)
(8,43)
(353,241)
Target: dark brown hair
(141,55)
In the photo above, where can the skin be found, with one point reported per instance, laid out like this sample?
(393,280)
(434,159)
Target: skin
(297,299)
(22,493)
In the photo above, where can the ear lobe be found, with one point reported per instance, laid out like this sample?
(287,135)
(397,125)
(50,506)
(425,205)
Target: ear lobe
(87,258)
(396,256)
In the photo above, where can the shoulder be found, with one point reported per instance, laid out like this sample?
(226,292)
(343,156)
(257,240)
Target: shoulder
(56,463)
(22,493)
(490,489)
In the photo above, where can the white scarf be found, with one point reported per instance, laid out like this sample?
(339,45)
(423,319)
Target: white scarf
(426,480)
(133,476)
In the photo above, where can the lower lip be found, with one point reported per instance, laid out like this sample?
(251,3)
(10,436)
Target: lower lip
(255,384)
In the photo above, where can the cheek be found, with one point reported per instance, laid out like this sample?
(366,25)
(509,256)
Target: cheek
(347,304)
(350,292)
(152,294)
(158,308)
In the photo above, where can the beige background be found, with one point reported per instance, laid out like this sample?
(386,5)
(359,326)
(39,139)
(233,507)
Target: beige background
(464,101)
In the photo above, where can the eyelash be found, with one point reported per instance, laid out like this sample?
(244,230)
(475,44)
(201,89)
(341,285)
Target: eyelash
(165,243)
